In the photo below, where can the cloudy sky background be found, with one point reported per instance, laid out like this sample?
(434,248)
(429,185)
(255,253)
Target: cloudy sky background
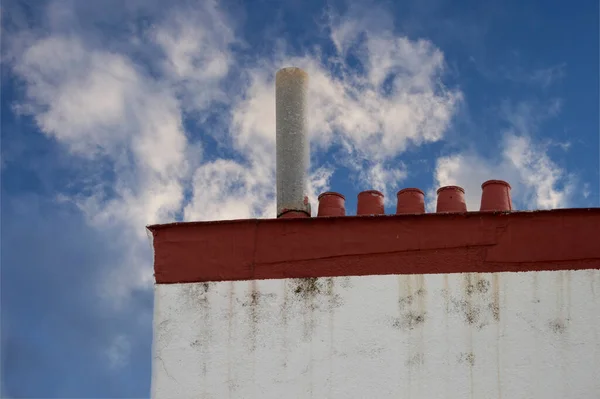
(116,115)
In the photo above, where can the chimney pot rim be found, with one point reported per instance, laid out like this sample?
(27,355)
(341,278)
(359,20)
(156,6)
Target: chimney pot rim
(375,192)
(410,189)
(454,188)
(500,182)
(332,193)
(292,70)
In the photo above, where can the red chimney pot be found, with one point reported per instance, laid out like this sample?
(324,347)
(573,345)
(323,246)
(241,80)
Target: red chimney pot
(370,202)
(496,196)
(451,199)
(332,204)
(410,200)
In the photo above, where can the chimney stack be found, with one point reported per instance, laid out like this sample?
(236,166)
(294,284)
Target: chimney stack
(292,153)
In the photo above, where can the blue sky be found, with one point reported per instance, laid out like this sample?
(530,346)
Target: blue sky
(118,115)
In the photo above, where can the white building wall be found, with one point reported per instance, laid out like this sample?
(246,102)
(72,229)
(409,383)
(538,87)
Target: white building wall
(505,335)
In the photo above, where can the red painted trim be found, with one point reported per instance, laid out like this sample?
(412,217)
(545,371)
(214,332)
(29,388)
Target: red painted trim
(365,245)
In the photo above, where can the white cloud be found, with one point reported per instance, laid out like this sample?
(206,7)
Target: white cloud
(545,77)
(225,189)
(467,171)
(537,182)
(548,185)
(125,118)
(118,352)
(371,114)
(102,108)
(196,44)
(108,109)
(396,101)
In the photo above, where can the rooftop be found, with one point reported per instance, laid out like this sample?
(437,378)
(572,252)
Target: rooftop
(495,239)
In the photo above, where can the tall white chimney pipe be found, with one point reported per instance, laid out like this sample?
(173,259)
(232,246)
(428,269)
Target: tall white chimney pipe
(292,157)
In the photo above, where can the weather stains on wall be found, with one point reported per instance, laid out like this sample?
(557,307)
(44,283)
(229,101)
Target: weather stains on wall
(310,295)
(480,335)
(467,358)
(478,301)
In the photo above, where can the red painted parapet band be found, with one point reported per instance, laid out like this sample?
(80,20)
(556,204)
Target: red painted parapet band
(561,239)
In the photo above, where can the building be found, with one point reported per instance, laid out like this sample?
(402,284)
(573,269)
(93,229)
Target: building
(452,304)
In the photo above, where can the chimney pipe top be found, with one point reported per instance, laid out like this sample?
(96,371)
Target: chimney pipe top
(411,189)
(291,71)
(331,193)
(455,188)
(502,182)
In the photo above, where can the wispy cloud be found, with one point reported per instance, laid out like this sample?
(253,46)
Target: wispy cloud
(542,77)
(537,181)
(142,110)
(119,114)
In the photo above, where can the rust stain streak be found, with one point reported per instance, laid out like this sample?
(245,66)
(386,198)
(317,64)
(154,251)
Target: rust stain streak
(331,294)
(496,299)
(284,318)
(230,315)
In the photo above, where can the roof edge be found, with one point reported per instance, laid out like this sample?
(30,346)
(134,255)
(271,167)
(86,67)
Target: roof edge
(253,249)
(158,226)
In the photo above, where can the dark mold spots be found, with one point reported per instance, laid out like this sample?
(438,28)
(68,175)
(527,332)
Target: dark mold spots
(308,295)
(409,299)
(558,326)
(372,350)
(405,301)
(416,319)
(495,309)
(416,360)
(468,358)
(470,289)
(335,300)
(469,312)
(409,320)
(196,343)
(480,287)
(483,286)
(308,287)
(197,294)
(345,282)
(472,315)
(252,303)
(314,290)
(255,298)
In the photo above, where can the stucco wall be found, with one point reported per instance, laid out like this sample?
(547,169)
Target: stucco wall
(504,335)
